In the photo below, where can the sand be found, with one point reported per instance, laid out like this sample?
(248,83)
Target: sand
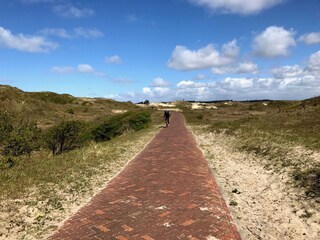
(263,202)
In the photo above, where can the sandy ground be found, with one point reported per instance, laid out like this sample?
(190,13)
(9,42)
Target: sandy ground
(163,106)
(203,106)
(37,217)
(118,111)
(263,203)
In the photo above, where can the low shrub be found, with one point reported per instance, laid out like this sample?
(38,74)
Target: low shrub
(70,111)
(18,137)
(119,124)
(67,135)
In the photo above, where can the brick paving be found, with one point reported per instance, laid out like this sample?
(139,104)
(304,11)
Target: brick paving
(166,192)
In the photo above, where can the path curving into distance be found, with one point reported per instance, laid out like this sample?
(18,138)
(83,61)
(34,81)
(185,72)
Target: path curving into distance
(166,192)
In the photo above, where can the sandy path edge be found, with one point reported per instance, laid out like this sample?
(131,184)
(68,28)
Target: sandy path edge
(263,204)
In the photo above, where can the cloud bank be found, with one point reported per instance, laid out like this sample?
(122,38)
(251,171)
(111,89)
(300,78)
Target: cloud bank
(286,82)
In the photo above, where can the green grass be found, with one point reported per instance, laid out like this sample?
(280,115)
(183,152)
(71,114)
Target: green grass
(72,168)
(46,108)
(291,123)
(270,131)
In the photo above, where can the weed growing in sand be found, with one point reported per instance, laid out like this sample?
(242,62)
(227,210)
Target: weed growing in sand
(306,214)
(310,180)
(236,191)
(233,203)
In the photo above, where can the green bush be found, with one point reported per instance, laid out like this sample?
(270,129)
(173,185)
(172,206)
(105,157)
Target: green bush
(139,120)
(17,137)
(67,135)
(119,124)
(23,140)
(6,126)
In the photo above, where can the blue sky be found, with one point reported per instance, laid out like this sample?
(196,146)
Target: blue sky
(162,50)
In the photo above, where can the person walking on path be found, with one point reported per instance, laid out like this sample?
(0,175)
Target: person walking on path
(166,116)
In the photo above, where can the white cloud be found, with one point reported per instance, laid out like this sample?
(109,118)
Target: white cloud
(287,72)
(85,68)
(70,11)
(231,49)
(62,69)
(115,59)
(250,88)
(159,82)
(153,94)
(296,71)
(200,77)
(274,42)
(186,59)
(90,33)
(233,88)
(245,67)
(87,32)
(161,91)
(60,32)
(156,92)
(146,90)
(183,84)
(310,38)
(287,82)
(25,43)
(237,83)
(314,63)
(237,6)
(190,84)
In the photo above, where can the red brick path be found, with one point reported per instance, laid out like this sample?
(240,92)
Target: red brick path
(166,192)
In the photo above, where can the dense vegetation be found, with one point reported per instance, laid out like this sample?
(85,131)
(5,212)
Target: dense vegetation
(48,138)
(21,137)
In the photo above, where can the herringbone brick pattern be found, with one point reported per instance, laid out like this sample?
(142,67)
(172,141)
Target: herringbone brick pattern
(166,192)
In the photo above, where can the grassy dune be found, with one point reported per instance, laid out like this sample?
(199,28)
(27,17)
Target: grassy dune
(48,108)
(39,189)
(272,129)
